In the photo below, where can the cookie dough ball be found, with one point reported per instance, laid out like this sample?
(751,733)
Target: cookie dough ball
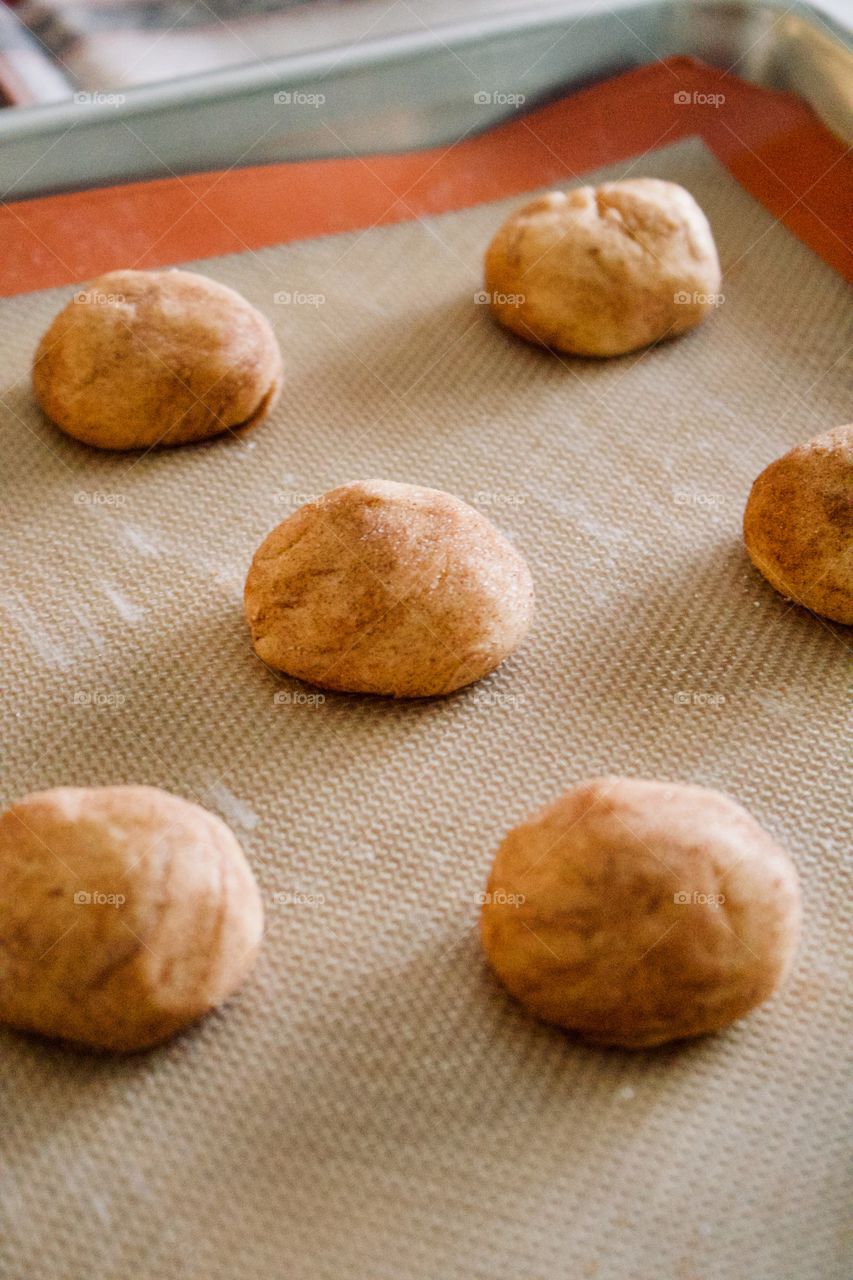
(798,524)
(637,912)
(598,271)
(387,588)
(125,914)
(142,358)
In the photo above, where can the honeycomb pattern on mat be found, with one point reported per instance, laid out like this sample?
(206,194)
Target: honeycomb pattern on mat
(372,1107)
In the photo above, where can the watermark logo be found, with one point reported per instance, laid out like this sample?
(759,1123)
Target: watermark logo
(497,98)
(95,298)
(290,498)
(697,299)
(685,99)
(97,498)
(696,899)
(85,899)
(484,299)
(507,701)
(287,299)
(298,899)
(699,698)
(97,698)
(298,98)
(697,498)
(99,99)
(284,698)
(500,898)
(499,498)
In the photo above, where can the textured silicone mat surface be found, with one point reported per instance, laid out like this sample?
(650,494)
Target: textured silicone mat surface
(371,1106)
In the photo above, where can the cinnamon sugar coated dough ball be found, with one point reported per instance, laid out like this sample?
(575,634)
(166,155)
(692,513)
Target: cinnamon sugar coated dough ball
(125,914)
(636,912)
(599,271)
(141,358)
(798,524)
(387,588)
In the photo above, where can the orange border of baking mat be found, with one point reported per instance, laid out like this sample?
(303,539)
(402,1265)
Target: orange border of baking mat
(770,142)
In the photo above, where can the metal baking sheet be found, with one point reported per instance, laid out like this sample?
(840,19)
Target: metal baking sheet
(413,91)
(372,1105)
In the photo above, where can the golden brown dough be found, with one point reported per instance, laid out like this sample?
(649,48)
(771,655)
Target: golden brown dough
(638,912)
(798,524)
(142,358)
(600,271)
(387,588)
(125,914)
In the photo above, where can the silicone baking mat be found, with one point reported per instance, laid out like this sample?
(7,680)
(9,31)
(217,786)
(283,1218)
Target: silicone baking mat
(372,1105)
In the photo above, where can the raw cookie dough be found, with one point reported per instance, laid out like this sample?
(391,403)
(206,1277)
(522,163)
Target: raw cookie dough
(387,588)
(798,524)
(142,358)
(638,912)
(599,271)
(125,914)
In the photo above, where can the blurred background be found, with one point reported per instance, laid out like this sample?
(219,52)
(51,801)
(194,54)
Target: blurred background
(50,49)
(97,92)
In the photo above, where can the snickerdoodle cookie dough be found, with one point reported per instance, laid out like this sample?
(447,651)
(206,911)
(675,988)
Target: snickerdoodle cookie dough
(387,588)
(636,912)
(798,524)
(125,914)
(143,358)
(600,271)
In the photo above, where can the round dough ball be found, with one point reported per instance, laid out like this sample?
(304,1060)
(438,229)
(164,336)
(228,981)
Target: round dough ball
(636,912)
(143,358)
(798,524)
(387,588)
(125,914)
(599,271)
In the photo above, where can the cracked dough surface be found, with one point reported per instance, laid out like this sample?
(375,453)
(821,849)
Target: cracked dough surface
(601,271)
(637,912)
(144,358)
(125,914)
(798,524)
(387,588)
